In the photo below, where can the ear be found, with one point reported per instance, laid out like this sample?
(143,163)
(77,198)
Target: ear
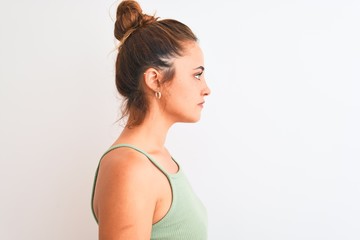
(152,79)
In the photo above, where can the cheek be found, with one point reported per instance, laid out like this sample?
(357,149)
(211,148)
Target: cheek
(176,99)
(176,90)
(181,90)
(183,94)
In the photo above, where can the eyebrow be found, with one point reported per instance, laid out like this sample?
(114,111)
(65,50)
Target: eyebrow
(200,67)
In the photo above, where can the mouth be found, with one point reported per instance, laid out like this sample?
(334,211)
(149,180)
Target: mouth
(201,104)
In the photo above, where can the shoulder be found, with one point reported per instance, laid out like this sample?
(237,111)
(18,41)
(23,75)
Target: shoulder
(124,160)
(125,199)
(126,166)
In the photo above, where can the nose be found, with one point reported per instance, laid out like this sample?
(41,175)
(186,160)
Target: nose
(206,90)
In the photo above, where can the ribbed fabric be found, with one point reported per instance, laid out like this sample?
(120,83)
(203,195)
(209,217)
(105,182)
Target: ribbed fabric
(186,218)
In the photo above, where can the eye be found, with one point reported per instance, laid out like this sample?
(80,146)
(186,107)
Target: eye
(198,75)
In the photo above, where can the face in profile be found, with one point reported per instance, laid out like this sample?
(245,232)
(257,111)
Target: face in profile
(185,94)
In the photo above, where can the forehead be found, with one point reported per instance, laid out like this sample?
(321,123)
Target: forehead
(192,56)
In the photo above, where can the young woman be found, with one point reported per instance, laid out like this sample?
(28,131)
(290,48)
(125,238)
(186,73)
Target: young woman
(140,191)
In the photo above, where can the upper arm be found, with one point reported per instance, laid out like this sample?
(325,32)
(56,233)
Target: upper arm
(125,202)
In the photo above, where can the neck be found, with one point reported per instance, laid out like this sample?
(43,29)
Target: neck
(150,135)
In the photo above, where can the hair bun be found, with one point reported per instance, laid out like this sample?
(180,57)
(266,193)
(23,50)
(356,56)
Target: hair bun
(129,17)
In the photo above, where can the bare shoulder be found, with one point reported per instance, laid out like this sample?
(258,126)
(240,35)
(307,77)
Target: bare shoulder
(125,162)
(124,200)
(124,168)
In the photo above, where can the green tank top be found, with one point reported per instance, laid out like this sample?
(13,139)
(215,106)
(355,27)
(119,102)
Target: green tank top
(187,216)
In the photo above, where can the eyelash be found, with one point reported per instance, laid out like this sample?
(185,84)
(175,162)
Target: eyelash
(197,76)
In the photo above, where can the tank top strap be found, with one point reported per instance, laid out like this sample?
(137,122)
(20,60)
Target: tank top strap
(142,152)
(168,175)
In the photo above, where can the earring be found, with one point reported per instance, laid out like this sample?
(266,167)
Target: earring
(158,94)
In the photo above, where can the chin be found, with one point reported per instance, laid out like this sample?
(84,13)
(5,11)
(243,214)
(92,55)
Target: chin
(192,119)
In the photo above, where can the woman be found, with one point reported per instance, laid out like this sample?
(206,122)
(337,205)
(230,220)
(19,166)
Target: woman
(140,192)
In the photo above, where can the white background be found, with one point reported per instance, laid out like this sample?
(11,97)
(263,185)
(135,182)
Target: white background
(275,156)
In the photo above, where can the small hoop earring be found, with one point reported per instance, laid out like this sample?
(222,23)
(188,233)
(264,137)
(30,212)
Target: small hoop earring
(158,94)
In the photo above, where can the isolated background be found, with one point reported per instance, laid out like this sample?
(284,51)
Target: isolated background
(275,156)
